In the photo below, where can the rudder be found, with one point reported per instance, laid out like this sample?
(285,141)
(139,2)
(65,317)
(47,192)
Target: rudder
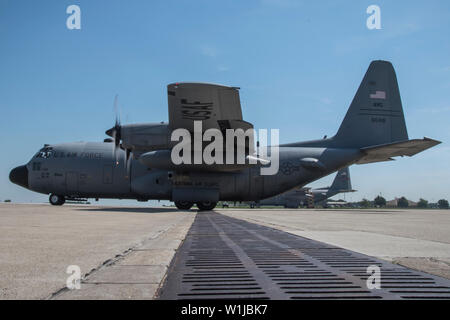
(342,181)
(375,115)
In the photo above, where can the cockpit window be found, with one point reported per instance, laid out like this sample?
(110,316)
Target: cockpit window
(45,153)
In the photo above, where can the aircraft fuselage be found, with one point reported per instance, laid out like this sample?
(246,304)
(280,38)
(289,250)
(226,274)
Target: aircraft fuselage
(90,170)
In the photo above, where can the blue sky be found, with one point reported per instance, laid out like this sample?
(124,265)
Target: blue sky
(298,64)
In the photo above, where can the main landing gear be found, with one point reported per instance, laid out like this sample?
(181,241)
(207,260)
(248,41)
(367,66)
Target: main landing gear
(206,205)
(202,206)
(56,200)
(184,205)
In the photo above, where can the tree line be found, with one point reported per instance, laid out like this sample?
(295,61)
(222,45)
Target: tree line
(402,202)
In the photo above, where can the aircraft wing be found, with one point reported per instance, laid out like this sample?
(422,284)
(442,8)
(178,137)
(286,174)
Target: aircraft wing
(216,106)
(385,152)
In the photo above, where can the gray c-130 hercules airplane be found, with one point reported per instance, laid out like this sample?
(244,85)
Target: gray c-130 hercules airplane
(300,196)
(134,165)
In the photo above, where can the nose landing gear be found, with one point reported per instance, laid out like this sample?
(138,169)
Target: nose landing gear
(56,200)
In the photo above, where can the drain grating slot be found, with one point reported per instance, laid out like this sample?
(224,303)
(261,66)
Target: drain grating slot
(228,258)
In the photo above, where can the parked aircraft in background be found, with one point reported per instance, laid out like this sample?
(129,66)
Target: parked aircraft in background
(299,197)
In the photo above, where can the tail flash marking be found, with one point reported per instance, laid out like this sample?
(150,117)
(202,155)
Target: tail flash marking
(378,95)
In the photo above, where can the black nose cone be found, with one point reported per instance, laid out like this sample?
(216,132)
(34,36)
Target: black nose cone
(19,176)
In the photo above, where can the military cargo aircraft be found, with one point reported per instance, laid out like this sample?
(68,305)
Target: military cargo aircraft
(301,196)
(136,163)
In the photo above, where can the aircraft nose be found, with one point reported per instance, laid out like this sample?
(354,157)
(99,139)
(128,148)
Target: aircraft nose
(19,176)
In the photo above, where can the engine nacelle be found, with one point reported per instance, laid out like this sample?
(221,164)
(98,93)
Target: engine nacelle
(145,137)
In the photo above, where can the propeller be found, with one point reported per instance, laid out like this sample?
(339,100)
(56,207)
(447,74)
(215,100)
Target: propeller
(116,133)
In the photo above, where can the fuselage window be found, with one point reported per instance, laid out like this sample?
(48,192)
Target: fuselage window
(36,166)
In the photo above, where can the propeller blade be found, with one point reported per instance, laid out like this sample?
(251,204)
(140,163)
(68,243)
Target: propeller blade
(128,161)
(115,131)
(116,110)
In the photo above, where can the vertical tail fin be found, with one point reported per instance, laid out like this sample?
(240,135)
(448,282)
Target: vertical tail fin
(375,115)
(342,181)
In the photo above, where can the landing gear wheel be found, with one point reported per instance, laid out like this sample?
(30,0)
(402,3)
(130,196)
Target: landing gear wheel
(56,200)
(206,205)
(184,205)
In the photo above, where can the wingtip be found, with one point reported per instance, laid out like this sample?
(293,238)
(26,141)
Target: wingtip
(380,62)
(436,142)
(187,84)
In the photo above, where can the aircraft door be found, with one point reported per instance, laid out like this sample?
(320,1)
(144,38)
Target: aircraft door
(72,182)
(257,186)
(58,182)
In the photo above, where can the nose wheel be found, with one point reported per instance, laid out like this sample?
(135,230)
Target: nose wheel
(56,200)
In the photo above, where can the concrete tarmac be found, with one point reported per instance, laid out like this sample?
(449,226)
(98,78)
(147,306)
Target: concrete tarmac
(418,239)
(123,252)
(39,242)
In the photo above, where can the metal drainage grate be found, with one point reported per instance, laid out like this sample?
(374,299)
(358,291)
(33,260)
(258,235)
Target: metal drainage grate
(227,258)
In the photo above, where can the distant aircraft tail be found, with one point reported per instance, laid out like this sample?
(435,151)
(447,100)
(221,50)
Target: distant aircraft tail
(375,115)
(342,182)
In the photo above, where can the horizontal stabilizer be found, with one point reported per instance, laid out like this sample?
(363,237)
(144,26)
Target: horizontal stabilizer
(345,190)
(385,152)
